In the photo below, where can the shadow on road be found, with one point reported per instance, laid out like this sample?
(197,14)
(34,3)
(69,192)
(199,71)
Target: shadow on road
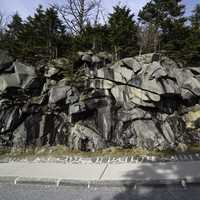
(165,191)
(136,191)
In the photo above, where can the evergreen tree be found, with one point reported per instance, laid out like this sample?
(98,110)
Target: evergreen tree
(195,18)
(16,26)
(43,33)
(167,17)
(94,38)
(123,32)
(42,36)
(11,40)
(33,36)
(192,49)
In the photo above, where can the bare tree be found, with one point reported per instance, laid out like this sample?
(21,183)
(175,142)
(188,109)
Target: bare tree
(148,39)
(3,22)
(77,13)
(98,11)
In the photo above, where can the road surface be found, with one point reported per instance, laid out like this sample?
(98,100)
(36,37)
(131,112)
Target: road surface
(42,192)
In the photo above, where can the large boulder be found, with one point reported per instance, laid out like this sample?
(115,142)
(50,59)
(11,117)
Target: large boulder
(23,77)
(5,61)
(148,101)
(57,67)
(85,139)
(58,93)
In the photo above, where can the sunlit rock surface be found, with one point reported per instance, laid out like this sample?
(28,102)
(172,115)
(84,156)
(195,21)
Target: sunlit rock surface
(147,101)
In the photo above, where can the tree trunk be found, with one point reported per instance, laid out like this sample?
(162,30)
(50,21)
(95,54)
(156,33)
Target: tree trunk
(116,52)
(140,51)
(81,16)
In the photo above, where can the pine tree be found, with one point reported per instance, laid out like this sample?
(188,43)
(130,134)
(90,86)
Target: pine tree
(16,26)
(195,18)
(167,17)
(192,49)
(11,36)
(41,36)
(93,38)
(123,32)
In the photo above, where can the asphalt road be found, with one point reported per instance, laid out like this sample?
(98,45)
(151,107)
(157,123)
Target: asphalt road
(38,192)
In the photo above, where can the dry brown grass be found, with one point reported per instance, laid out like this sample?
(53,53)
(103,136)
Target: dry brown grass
(60,151)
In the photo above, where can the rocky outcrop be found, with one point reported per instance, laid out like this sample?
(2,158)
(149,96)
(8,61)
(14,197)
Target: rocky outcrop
(148,101)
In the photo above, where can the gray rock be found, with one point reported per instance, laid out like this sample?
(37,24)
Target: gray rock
(58,93)
(132,64)
(19,137)
(5,61)
(8,80)
(56,66)
(54,129)
(155,71)
(121,73)
(22,77)
(86,58)
(147,134)
(96,59)
(100,84)
(72,96)
(85,139)
(192,85)
(142,133)
(95,103)
(10,118)
(188,83)
(170,66)
(105,73)
(77,108)
(133,114)
(51,72)
(125,95)
(142,102)
(104,120)
(25,74)
(105,57)
(147,58)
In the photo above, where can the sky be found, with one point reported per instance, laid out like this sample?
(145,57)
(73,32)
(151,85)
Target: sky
(27,7)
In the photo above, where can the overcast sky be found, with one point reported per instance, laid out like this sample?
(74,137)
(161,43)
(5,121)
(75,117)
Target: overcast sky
(26,7)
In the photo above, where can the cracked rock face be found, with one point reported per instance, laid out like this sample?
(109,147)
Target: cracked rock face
(147,101)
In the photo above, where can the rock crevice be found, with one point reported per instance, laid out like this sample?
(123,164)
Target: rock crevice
(147,101)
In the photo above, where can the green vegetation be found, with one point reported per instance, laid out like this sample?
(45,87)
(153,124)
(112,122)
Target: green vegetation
(61,152)
(123,32)
(169,25)
(52,33)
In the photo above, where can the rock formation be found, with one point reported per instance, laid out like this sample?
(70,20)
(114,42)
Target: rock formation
(148,101)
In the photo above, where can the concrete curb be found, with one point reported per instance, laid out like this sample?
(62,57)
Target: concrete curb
(8,179)
(108,183)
